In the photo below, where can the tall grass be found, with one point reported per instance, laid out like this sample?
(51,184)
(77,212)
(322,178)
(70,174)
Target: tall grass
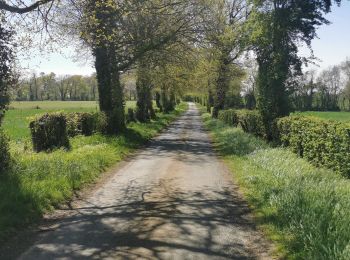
(39,182)
(306,210)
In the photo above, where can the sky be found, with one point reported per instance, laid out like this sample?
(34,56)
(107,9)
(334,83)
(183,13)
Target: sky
(332,47)
(59,63)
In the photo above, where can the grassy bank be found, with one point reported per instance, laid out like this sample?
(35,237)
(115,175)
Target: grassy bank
(305,210)
(39,182)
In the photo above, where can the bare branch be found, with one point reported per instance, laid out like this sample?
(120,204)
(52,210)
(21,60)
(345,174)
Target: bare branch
(22,10)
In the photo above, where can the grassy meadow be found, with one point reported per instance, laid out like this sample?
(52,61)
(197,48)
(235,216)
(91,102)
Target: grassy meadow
(338,116)
(39,182)
(16,121)
(304,209)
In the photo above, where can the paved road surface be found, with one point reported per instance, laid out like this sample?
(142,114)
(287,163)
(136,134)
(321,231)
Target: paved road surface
(174,200)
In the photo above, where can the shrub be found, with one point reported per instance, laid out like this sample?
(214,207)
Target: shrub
(80,124)
(251,122)
(229,117)
(4,152)
(323,142)
(131,115)
(100,122)
(49,132)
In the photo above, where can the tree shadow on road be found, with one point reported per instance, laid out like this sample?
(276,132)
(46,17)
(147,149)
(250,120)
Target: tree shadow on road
(183,224)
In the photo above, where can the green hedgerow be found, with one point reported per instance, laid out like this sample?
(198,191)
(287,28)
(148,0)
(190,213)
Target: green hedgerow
(79,123)
(49,132)
(251,122)
(229,117)
(322,142)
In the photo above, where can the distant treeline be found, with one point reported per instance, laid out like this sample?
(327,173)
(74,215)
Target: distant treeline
(51,87)
(40,87)
(330,91)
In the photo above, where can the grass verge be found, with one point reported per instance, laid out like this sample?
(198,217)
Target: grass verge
(304,209)
(38,182)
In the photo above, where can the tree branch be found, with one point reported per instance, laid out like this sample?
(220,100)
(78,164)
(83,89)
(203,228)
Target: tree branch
(22,10)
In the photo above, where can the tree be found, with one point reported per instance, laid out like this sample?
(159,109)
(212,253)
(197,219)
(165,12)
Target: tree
(304,91)
(345,67)
(223,23)
(276,27)
(328,89)
(6,66)
(175,23)
(346,96)
(249,83)
(204,76)
(120,34)
(21,7)
(144,86)
(52,87)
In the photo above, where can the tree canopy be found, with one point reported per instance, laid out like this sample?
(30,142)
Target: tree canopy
(174,47)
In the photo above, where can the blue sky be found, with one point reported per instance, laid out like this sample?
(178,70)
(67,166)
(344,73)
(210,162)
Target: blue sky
(332,47)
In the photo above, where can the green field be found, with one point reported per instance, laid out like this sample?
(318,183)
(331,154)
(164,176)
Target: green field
(17,119)
(339,116)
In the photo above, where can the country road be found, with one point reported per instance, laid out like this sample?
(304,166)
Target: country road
(172,200)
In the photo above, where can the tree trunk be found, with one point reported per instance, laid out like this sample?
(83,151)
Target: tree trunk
(272,99)
(222,84)
(31,92)
(145,109)
(103,78)
(110,89)
(158,101)
(210,101)
(164,99)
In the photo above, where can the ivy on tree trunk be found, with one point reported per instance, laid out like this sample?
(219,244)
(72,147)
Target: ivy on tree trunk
(144,87)
(222,84)
(110,89)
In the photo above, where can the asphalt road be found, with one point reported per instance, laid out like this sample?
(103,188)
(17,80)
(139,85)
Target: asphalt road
(173,200)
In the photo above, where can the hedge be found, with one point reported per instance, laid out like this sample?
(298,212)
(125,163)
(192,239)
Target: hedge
(4,152)
(249,120)
(49,132)
(229,117)
(87,124)
(323,142)
(100,122)
(80,124)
